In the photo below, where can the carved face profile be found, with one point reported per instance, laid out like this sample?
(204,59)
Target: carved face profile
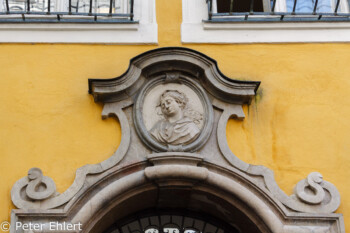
(179,125)
(170,106)
(172,103)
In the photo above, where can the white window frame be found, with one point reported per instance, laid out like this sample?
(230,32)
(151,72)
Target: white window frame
(145,31)
(195,28)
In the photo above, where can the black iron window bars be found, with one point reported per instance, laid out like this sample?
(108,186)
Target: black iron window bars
(76,11)
(170,223)
(269,14)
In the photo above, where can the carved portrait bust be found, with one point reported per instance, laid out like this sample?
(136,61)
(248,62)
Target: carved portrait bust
(173,115)
(180,123)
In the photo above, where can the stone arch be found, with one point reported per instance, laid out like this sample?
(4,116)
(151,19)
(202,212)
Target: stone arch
(194,187)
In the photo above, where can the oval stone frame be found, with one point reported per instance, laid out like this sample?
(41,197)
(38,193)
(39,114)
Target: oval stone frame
(207,113)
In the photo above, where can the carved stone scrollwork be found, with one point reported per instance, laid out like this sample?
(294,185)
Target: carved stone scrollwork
(24,193)
(36,180)
(315,191)
(313,182)
(34,187)
(312,195)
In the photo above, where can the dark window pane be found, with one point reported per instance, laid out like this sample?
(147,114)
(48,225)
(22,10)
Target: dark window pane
(223,6)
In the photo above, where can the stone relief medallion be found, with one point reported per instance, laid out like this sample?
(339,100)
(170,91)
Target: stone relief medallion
(173,115)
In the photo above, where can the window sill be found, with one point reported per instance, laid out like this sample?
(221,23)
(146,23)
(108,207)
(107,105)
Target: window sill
(118,33)
(265,32)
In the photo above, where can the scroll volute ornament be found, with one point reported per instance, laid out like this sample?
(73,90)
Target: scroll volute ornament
(315,191)
(36,181)
(32,189)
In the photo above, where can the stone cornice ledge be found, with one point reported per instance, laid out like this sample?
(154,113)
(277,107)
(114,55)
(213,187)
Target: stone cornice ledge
(199,65)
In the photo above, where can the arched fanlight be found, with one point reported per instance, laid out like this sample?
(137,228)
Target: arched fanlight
(171,223)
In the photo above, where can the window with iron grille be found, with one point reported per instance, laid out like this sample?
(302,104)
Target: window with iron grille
(78,21)
(265,21)
(274,10)
(27,11)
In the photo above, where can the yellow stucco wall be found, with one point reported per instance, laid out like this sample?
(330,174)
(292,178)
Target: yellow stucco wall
(298,123)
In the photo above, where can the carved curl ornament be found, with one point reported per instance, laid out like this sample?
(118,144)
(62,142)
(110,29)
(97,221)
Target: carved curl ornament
(36,188)
(173,105)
